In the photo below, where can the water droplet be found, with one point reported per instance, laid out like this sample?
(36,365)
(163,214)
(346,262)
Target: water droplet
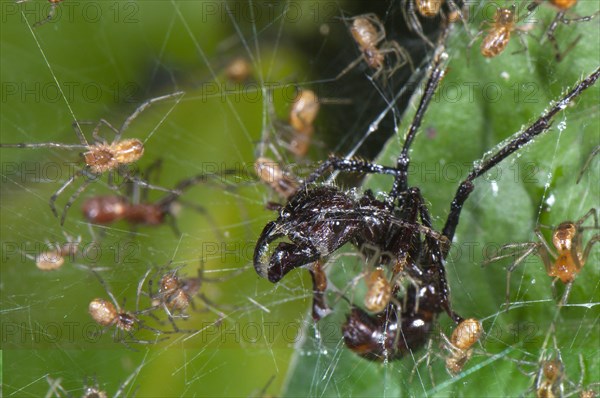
(495,188)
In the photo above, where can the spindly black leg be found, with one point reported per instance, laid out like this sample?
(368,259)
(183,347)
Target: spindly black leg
(537,128)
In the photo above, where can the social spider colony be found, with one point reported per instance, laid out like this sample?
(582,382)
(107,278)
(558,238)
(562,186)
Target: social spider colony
(402,256)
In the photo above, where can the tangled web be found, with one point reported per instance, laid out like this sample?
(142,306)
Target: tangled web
(101,60)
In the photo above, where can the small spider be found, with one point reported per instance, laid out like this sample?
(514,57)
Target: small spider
(110,314)
(269,172)
(562,7)
(551,382)
(175,294)
(369,34)
(51,13)
(90,390)
(427,9)
(464,336)
(295,133)
(548,375)
(238,70)
(303,112)
(54,258)
(106,210)
(100,157)
(564,261)
(458,348)
(379,291)
(498,35)
(318,220)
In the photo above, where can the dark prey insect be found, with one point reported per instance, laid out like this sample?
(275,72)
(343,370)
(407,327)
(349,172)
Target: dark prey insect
(112,208)
(318,220)
(100,157)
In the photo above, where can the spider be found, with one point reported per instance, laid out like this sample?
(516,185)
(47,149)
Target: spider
(458,348)
(318,220)
(110,314)
(100,157)
(294,134)
(498,35)
(303,112)
(238,70)
(369,34)
(51,13)
(109,209)
(175,294)
(380,289)
(466,334)
(551,380)
(269,172)
(563,7)
(54,258)
(427,9)
(564,261)
(90,390)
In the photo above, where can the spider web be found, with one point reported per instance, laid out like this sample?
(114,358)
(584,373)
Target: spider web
(103,59)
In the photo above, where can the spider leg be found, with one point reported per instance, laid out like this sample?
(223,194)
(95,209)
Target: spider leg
(107,290)
(535,129)
(595,151)
(76,125)
(424,358)
(77,128)
(349,165)
(48,18)
(45,145)
(513,266)
(142,108)
(402,164)
(140,287)
(401,57)
(587,18)
(96,131)
(591,213)
(212,307)
(595,239)
(59,191)
(350,66)
(412,21)
(72,199)
(214,225)
(127,176)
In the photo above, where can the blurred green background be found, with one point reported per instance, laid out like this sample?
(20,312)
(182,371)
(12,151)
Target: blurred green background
(108,57)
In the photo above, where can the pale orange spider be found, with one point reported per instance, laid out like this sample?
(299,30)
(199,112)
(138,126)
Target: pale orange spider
(101,157)
(565,260)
